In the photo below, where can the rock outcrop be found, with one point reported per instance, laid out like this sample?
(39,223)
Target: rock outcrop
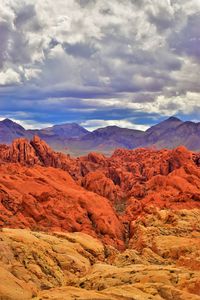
(34,152)
(48,199)
(99,183)
(165,178)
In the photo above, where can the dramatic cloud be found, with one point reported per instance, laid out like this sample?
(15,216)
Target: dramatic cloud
(97,62)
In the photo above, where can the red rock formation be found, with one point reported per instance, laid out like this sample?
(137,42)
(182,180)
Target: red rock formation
(4,152)
(130,183)
(138,173)
(21,151)
(35,152)
(102,185)
(48,199)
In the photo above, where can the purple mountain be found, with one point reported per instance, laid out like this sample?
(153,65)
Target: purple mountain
(74,139)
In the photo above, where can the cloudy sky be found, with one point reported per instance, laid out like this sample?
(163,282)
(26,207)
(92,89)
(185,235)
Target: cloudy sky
(97,62)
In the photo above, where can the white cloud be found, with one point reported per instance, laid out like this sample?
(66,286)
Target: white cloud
(9,76)
(168,106)
(94,124)
(27,124)
(31,73)
(31,124)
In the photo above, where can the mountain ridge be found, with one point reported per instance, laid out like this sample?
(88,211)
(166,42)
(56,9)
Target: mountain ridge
(76,140)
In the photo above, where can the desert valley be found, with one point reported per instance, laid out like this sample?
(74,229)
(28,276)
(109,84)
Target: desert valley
(95,227)
(99,150)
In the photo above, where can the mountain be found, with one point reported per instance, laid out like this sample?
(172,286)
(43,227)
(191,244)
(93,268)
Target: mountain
(105,140)
(126,174)
(188,134)
(172,133)
(95,227)
(155,133)
(169,134)
(64,131)
(10,130)
(73,139)
(58,136)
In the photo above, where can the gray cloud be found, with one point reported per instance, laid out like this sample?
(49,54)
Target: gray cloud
(83,50)
(26,17)
(103,55)
(187,41)
(85,3)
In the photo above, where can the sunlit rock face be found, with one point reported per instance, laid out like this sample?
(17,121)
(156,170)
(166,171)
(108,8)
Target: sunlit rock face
(162,260)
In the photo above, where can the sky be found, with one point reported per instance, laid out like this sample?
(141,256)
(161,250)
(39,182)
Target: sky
(130,63)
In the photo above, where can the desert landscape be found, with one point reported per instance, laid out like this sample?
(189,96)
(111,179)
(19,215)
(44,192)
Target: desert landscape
(99,150)
(96,227)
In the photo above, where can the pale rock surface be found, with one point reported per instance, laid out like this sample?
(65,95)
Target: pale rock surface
(62,266)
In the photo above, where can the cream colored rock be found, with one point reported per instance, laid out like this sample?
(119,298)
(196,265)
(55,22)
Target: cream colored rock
(102,277)
(73,293)
(170,235)
(161,262)
(34,261)
(149,292)
(12,288)
(90,244)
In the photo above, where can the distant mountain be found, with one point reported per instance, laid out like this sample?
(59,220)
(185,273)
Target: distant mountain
(70,130)
(58,136)
(10,130)
(186,133)
(107,139)
(170,133)
(154,133)
(73,139)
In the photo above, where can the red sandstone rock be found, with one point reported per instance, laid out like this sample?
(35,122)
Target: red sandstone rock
(48,199)
(130,181)
(102,185)
(21,151)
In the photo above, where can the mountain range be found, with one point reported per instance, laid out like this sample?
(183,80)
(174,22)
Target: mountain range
(73,139)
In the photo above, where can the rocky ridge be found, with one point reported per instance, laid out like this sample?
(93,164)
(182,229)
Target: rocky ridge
(73,139)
